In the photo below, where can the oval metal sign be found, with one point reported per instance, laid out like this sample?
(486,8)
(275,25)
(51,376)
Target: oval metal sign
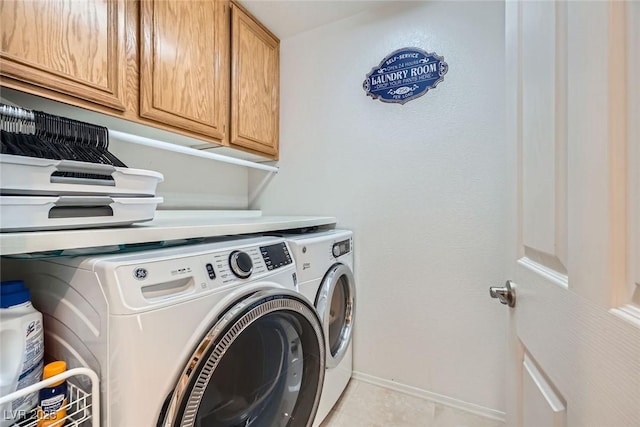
(405,74)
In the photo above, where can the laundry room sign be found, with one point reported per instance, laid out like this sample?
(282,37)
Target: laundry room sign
(404,75)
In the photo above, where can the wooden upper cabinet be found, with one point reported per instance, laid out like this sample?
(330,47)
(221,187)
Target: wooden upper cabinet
(184,71)
(202,68)
(72,47)
(255,85)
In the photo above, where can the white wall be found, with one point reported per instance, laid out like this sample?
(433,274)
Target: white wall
(423,185)
(190,182)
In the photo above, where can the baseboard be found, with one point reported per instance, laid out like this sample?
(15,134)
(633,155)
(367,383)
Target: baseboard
(428,395)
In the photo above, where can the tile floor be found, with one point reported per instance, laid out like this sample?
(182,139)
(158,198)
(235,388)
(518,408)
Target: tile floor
(366,405)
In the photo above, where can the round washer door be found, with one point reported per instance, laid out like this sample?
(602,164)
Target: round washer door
(335,303)
(262,365)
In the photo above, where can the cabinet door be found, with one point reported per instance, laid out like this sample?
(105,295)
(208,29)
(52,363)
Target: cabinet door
(73,47)
(255,85)
(184,77)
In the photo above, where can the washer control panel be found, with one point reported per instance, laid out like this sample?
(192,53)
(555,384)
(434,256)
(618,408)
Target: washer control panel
(276,256)
(238,264)
(164,276)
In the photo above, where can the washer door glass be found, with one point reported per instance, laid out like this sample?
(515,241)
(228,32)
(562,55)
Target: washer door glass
(261,365)
(336,306)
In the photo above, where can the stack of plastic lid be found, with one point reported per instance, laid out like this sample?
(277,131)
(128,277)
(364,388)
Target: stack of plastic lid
(63,181)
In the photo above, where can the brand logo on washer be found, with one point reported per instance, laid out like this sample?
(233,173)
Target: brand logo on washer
(140,273)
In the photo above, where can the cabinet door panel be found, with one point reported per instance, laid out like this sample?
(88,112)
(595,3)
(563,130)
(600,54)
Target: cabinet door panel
(73,47)
(184,64)
(255,85)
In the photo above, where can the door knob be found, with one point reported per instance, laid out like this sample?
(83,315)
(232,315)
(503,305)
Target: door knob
(506,295)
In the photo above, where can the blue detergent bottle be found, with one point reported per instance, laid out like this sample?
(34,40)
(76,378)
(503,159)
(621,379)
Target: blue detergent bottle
(21,349)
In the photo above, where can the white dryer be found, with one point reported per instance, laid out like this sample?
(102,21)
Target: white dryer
(209,335)
(324,263)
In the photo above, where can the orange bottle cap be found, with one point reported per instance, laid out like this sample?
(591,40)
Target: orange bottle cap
(54,368)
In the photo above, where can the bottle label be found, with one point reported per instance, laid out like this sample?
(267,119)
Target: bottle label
(51,406)
(33,361)
(34,348)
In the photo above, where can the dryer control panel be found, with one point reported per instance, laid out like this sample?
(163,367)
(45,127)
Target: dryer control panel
(341,248)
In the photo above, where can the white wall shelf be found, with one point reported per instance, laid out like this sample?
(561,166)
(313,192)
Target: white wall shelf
(162,145)
(166,226)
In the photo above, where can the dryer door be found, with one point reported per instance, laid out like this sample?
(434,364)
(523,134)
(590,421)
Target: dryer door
(261,365)
(336,306)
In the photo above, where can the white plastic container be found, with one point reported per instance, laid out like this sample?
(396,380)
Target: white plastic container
(21,175)
(21,349)
(26,213)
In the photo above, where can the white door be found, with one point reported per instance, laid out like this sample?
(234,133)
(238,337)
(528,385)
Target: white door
(573,71)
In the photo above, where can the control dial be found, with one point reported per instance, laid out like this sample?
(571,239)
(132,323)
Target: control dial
(241,264)
(336,251)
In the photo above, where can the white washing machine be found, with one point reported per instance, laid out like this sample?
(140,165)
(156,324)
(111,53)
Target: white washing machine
(209,335)
(324,263)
